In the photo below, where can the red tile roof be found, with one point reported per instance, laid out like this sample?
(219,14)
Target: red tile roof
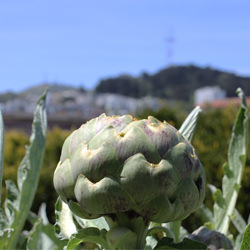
(222,103)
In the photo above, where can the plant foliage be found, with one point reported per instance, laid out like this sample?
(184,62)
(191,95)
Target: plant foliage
(19,198)
(72,231)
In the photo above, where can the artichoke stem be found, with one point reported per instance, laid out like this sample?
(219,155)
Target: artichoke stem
(134,224)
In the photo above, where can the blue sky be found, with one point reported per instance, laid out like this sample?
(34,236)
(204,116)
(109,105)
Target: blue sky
(79,42)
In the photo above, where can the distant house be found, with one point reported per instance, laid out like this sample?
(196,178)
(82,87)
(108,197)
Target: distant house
(215,97)
(208,95)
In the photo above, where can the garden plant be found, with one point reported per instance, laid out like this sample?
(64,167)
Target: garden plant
(125,183)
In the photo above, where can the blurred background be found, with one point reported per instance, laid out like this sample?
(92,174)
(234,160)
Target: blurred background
(143,57)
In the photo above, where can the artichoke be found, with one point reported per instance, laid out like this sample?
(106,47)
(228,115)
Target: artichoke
(143,168)
(213,239)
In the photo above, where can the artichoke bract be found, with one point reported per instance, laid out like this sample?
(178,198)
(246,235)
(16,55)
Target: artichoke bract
(119,164)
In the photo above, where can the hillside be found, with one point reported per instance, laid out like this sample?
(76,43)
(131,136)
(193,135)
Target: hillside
(37,91)
(173,83)
(177,83)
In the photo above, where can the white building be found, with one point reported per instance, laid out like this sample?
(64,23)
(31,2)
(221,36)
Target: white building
(208,94)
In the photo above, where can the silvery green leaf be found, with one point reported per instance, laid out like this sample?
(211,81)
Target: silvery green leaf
(239,221)
(20,198)
(11,202)
(42,213)
(188,127)
(42,237)
(223,211)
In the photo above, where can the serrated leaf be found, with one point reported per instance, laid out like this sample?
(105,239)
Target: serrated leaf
(3,221)
(5,234)
(35,240)
(42,237)
(28,174)
(246,239)
(236,162)
(46,235)
(188,127)
(1,153)
(11,202)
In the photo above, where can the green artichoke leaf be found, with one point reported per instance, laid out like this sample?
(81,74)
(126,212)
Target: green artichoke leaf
(160,179)
(118,122)
(125,144)
(90,129)
(188,193)
(95,164)
(103,197)
(183,202)
(79,211)
(63,180)
(161,134)
(183,157)
(67,148)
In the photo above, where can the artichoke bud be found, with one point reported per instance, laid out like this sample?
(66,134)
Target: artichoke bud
(213,239)
(120,164)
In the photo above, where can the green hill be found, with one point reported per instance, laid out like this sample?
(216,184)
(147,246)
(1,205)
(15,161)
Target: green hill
(177,83)
(173,83)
